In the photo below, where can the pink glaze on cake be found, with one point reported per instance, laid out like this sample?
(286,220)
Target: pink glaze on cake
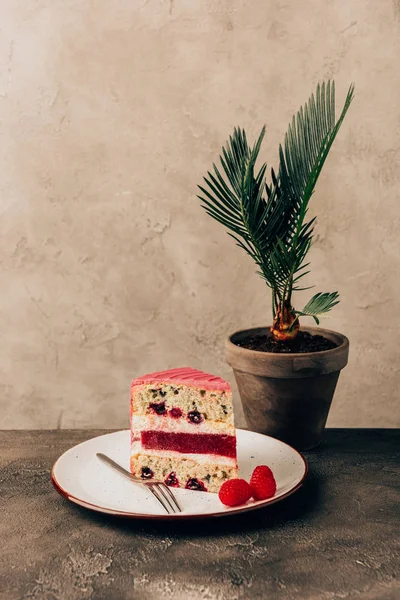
(185,376)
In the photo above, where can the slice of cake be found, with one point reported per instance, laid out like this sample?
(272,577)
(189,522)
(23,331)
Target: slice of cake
(182,429)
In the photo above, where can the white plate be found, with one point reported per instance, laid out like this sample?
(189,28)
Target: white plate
(82,478)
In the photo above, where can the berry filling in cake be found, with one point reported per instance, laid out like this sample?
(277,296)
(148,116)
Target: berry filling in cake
(175,413)
(195,484)
(146,473)
(158,408)
(172,480)
(189,443)
(182,429)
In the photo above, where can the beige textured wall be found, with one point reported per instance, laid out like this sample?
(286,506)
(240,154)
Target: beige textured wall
(110,113)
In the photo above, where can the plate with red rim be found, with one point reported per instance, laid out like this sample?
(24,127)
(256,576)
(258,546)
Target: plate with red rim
(79,476)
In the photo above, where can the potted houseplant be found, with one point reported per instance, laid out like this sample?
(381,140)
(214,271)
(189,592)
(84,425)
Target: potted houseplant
(286,374)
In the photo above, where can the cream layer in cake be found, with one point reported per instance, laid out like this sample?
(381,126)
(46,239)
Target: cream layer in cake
(153,422)
(182,429)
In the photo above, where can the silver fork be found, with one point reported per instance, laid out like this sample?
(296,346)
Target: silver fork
(156,487)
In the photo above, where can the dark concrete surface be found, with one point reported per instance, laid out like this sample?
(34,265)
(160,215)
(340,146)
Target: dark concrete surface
(338,537)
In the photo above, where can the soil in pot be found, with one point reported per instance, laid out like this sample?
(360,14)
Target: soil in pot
(302,343)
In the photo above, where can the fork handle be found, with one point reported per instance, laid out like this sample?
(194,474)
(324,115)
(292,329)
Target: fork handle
(109,461)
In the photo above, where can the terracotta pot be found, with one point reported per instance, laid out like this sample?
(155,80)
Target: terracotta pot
(287,396)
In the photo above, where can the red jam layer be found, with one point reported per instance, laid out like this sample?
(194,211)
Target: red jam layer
(190,443)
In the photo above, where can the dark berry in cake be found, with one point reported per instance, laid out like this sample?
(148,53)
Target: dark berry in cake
(175,413)
(194,417)
(147,473)
(172,480)
(195,484)
(158,408)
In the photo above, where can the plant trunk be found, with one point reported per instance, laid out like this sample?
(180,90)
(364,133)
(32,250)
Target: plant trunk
(286,324)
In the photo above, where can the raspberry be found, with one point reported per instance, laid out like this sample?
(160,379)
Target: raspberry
(234,492)
(262,483)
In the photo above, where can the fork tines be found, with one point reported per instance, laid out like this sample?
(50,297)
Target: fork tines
(164,496)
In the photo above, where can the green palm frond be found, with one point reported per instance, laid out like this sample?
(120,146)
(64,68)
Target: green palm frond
(306,147)
(318,305)
(268,220)
(237,200)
